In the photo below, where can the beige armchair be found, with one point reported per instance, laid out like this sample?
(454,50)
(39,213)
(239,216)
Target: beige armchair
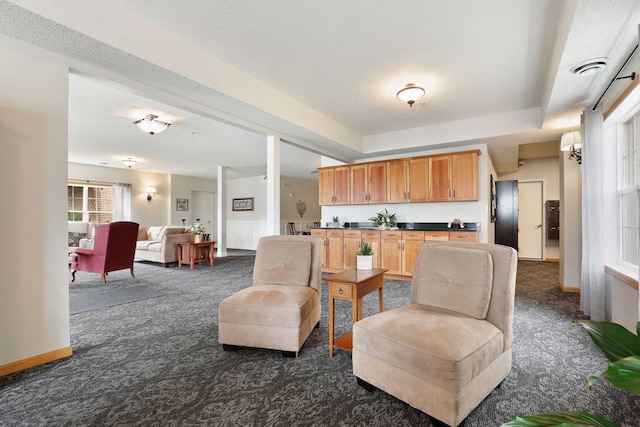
(282,307)
(451,346)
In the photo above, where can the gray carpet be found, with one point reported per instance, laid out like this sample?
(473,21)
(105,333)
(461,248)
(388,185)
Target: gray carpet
(157,362)
(82,302)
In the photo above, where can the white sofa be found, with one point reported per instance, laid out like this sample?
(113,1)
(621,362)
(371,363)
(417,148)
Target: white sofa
(80,235)
(159,243)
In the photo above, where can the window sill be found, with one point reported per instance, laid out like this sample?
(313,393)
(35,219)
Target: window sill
(625,275)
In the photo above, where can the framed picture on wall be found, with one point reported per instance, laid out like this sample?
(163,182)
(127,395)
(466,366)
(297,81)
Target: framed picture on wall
(182,204)
(493,200)
(242,204)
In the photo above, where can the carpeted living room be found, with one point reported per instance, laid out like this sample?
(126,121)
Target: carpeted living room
(149,355)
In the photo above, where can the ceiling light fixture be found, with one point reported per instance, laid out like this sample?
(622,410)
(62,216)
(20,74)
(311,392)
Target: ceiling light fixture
(590,66)
(572,142)
(129,162)
(410,94)
(151,125)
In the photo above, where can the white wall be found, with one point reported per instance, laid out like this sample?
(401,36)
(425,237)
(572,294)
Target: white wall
(548,171)
(293,191)
(34,295)
(477,211)
(181,187)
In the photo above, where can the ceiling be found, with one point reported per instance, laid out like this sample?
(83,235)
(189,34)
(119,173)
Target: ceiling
(323,76)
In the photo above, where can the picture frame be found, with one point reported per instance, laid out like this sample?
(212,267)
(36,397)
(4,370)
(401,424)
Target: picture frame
(242,204)
(493,199)
(182,204)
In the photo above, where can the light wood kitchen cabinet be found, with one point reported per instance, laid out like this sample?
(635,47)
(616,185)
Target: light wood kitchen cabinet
(319,232)
(372,237)
(335,250)
(400,251)
(368,183)
(463,236)
(408,180)
(333,186)
(453,177)
(442,236)
(352,243)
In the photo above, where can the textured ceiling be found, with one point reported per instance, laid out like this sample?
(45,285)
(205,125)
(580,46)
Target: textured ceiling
(322,75)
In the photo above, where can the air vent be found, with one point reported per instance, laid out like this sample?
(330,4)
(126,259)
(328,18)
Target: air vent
(590,66)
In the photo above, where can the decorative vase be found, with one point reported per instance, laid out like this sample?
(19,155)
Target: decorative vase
(364,262)
(197,238)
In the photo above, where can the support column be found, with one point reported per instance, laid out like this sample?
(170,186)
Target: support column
(273,185)
(221,243)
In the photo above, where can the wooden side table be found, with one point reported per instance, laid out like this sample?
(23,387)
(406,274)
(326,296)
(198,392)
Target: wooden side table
(352,285)
(195,253)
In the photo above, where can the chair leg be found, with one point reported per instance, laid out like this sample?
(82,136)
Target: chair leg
(365,385)
(132,275)
(229,347)
(317,326)
(289,354)
(104,278)
(73,276)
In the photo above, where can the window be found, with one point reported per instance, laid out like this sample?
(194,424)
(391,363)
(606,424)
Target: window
(97,203)
(629,189)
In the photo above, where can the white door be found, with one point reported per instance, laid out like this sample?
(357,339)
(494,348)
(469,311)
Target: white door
(530,231)
(203,209)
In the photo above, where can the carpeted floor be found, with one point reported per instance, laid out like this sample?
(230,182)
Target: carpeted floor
(157,362)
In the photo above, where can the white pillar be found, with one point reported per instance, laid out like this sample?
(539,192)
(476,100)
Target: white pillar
(221,243)
(570,223)
(273,185)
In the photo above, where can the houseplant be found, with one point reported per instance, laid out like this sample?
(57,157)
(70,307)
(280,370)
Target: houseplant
(384,219)
(197,230)
(622,348)
(364,257)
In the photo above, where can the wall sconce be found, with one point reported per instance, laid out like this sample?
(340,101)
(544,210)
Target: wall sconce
(572,142)
(151,192)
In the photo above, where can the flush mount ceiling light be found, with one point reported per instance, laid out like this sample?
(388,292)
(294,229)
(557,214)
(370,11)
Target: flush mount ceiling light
(410,94)
(572,142)
(151,125)
(590,66)
(129,162)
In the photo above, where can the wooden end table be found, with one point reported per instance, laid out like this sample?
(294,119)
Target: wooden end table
(195,253)
(352,285)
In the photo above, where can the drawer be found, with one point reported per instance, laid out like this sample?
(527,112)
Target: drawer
(335,233)
(463,236)
(353,234)
(391,235)
(370,234)
(413,235)
(442,236)
(340,290)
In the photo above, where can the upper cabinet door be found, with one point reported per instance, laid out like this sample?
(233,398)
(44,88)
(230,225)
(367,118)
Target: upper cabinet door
(359,184)
(341,186)
(439,178)
(325,186)
(418,180)
(396,181)
(377,183)
(333,186)
(464,176)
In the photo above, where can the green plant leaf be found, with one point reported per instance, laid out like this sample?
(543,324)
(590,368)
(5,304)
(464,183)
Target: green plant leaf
(615,341)
(560,419)
(624,374)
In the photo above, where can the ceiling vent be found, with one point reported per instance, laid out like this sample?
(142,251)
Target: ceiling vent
(590,66)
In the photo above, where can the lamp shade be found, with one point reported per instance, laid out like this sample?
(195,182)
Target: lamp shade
(151,125)
(571,140)
(410,94)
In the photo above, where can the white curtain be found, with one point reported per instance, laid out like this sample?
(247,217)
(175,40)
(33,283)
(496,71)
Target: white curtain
(592,283)
(121,202)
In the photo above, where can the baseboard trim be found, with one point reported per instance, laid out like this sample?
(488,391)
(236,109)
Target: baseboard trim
(569,289)
(32,361)
(552,259)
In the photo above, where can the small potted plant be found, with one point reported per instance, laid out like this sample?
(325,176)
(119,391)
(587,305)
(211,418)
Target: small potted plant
(197,230)
(384,219)
(336,222)
(364,257)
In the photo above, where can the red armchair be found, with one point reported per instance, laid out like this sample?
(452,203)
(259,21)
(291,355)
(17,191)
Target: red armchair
(113,249)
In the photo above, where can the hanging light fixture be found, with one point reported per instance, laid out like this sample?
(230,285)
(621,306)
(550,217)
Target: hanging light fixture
(129,162)
(572,142)
(410,94)
(151,124)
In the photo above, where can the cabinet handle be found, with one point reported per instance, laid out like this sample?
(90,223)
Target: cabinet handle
(449,193)
(408,195)
(341,291)
(454,193)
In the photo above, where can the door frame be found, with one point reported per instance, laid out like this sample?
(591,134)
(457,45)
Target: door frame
(543,219)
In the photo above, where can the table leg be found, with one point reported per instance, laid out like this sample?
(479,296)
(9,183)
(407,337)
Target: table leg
(381,298)
(211,249)
(331,325)
(180,256)
(192,256)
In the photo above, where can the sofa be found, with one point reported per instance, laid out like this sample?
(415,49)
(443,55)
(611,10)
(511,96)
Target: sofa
(80,235)
(159,243)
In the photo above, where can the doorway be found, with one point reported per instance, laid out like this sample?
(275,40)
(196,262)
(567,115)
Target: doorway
(203,209)
(530,214)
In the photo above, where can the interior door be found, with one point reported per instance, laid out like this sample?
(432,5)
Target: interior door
(530,231)
(202,206)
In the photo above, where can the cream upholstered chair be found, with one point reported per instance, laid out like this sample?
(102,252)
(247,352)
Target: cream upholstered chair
(451,346)
(282,307)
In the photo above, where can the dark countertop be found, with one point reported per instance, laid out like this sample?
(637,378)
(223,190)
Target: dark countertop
(422,226)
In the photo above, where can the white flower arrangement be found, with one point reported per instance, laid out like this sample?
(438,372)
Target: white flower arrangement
(197,229)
